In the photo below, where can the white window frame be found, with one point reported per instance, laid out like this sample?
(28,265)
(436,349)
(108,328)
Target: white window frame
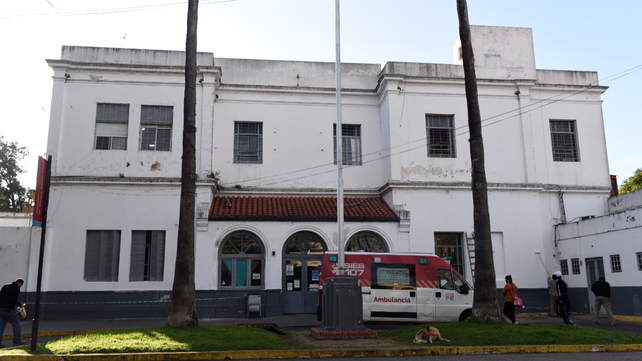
(616,263)
(440,136)
(248,143)
(564,266)
(350,145)
(112,123)
(153,119)
(575,266)
(564,140)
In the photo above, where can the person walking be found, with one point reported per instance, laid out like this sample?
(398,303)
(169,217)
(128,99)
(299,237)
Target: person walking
(552,296)
(8,313)
(602,291)
(562,289)
(566,304)
(509,292)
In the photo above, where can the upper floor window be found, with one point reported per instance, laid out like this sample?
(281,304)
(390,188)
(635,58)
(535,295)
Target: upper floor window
(102,255)
(564,141)
(111,126)
(248,142)
(350,144)
(156,127)
(440,132)
(148,256)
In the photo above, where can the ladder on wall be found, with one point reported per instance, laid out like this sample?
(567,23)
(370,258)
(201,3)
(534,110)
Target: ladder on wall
(470,249)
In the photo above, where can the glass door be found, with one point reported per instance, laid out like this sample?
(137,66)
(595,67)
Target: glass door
(594,270)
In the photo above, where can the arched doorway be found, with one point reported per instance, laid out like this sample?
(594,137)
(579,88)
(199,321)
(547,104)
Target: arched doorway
(366,242)
(242,262)
(302,256)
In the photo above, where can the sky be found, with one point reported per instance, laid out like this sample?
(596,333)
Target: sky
(585,35)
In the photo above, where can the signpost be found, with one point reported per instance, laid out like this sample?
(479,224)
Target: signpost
(40,220)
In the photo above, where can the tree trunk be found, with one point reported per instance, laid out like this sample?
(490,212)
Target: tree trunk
(485,301)
(182,312)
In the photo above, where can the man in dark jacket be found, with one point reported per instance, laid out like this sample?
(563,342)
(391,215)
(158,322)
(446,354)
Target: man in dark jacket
(602,290)
(562,289)
(8,313)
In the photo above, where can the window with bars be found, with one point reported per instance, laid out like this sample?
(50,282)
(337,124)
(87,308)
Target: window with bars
(575,266)
(248,143)
(156,128)
(616,266)
(440,132)
(112,121)
(350,144)
(449,247)
(102,254)
(564,141)
(148,256)
(639,256)
(564,266)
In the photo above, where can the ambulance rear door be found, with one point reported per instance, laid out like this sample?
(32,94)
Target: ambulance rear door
(393,292)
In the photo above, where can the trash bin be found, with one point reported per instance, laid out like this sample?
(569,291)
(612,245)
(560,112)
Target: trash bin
(254,306)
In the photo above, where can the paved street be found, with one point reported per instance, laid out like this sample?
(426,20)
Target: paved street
(594,356)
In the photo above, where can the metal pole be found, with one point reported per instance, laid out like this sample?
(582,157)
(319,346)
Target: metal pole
(337,73)
(36,313)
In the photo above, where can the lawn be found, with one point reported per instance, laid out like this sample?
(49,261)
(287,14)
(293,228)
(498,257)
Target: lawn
(227,338)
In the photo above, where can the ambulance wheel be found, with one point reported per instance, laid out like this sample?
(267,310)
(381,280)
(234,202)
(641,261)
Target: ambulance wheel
(465,315)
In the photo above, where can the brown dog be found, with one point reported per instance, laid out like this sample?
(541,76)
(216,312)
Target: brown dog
(428,334)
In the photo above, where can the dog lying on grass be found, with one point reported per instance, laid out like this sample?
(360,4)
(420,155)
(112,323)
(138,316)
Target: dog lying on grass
(428,334)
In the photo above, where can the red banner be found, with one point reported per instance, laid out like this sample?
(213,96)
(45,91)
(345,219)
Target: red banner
(39,204)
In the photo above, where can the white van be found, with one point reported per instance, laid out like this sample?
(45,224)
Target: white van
(404,287)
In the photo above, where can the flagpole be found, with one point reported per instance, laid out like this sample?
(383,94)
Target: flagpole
(339,140)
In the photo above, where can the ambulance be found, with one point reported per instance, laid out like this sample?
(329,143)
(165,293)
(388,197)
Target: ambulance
(403,287)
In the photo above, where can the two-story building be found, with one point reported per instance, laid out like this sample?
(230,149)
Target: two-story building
(266,142)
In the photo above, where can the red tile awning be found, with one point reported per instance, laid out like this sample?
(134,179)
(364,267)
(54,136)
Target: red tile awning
(320,209)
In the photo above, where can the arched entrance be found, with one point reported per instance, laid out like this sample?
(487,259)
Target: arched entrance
(302,256)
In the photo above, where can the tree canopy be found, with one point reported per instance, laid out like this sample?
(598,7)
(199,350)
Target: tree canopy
(632,183)
(13,196)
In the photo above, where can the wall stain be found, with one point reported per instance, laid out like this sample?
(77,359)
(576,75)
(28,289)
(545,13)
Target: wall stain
(426,172)
(156,166)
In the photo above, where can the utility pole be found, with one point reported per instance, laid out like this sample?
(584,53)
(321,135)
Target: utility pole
(485,301)
(337,73)
(182,311)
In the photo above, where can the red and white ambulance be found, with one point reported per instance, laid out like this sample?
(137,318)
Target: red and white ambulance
(406,287)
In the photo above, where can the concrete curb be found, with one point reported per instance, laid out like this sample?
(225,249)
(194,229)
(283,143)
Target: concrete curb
(305,354)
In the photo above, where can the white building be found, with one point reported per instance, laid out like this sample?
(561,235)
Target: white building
(609,246)
(265,160)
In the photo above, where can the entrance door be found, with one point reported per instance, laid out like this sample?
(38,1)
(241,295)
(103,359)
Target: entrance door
(302,259)
(594,270)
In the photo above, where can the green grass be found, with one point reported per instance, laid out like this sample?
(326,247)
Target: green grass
(165,339)
(226,338)
(476,333)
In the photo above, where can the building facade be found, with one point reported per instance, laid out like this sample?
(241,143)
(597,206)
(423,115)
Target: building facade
(266,192)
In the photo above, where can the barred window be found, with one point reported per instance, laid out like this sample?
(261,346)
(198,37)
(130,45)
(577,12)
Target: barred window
(148,256)
(575,265)
(564,141)
(616,266)
(440,132)
(102,254)
(248,143)
(112,121)
(639,255)
(156,128)
(564,266)
(350,144)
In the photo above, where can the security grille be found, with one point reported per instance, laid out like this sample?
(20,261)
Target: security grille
(564,141)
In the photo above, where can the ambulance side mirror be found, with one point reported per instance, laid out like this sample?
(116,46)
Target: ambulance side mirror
(465,288)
